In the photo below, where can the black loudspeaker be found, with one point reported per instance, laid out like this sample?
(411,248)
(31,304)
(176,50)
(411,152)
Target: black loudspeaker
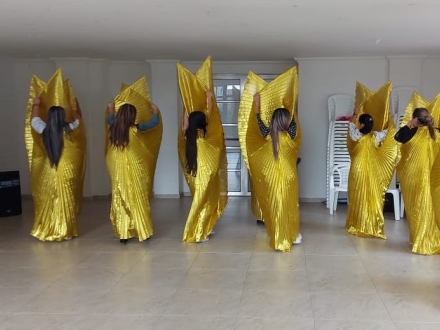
(10,194)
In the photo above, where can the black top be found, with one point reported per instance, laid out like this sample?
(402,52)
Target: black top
(405,134)
(265,131)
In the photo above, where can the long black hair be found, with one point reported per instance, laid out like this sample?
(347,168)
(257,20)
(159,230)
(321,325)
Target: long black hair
(367,120)
(280,122)
(53,138)
(425,119)
(196,121)
(120,130)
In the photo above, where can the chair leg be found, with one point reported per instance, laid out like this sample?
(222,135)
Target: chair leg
(335,201)
(396,201)
(402,206)
(331,197)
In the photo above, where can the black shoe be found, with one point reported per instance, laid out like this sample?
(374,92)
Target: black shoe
(123,241)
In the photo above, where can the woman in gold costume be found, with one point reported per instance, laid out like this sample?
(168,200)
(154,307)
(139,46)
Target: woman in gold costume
(202,153)
(135,133)
(270,138)
(56,151)
(372,156)
(419,150)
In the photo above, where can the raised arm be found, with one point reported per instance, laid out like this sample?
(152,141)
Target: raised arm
(353,131)
(209,101)
(111,113)
(153,121)
(35,108)
(264,130)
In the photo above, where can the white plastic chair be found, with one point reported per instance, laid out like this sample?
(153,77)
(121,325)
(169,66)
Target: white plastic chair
(337,184)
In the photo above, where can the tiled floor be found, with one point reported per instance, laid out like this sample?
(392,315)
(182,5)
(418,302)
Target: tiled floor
(234,281)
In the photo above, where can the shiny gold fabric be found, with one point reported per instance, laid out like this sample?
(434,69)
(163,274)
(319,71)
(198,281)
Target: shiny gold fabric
(57,192)
(435,188)
(418,177)
(372,166)
(132,170)
(376,104)
(209,187)
(275,182)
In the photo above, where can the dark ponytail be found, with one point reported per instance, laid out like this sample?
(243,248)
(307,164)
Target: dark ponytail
(196,122)
(53,134)
(425,119)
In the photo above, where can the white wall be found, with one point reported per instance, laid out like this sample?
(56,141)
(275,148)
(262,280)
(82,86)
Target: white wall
(96,81)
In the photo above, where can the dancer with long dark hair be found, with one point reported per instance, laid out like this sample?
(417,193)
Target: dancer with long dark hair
(134,137)
(56,145)
(202,152)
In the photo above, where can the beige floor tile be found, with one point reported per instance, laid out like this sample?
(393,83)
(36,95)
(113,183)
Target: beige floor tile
(278,262)
(287,281)
(96,278)
(58,300)
(420,308)
(198,302)
(132,322)
(417,326)
(195,323)
(11,299)
(349,306)
(212,261)
(275,304)
(353,325)
(220,279)
(29,277)
(150,302)
(41,322)
(167,260)
(249,323)
(123,260)
(340,281)
(332,279)
(335,263)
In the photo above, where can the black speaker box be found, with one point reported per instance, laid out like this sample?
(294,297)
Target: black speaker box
(10,194)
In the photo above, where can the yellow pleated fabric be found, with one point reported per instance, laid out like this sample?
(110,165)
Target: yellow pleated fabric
(418,178)
(132,170)
(372,166)
(57,192)
(435,188)
(274,182)
(209,187)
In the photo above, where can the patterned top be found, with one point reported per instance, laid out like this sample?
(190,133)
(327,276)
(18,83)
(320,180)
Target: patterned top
(355,134)
(142,126)
(39,125)
(265,131)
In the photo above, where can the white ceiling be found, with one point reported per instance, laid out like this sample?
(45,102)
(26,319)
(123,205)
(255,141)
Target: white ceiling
(226,29)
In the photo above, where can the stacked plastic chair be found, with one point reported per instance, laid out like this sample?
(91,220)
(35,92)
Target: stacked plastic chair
(338,159)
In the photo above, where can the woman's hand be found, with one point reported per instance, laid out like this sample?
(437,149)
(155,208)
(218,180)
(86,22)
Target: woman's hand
(36,101)
(257,103)
(185,123)
(209,96)
(111,106)
(154,108)
(413,123)
(78,113)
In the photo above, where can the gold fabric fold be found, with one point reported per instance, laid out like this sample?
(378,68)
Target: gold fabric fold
(372,166)
(57,192)
(274,182)
(376,104)
(132,170)
(209,187)
(418,179)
